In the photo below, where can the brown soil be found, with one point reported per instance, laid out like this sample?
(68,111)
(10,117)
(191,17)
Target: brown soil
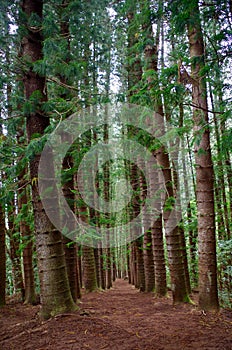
(119,319)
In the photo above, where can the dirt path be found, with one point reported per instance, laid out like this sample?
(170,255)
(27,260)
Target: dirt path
(119,319)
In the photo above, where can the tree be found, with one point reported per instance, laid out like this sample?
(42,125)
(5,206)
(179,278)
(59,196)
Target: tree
(54,287)
(208,297)
(173,236)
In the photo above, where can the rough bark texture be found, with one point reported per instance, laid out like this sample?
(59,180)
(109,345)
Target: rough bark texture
(208,297)
(54,287)
(151,63)
(90,280)
(173,240)
(140,264)
(148,262)
(159,258)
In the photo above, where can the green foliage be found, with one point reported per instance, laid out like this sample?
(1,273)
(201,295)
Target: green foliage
(169,203)
(32,105)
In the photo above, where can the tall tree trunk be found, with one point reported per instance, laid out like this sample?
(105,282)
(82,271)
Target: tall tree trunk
(173,238)
(54,287)
(208,295)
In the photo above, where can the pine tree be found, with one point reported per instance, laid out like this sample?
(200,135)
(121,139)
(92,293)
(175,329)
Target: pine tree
(54,288)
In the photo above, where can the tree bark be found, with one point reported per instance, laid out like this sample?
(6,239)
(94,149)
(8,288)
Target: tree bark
(208,295)
(54,287)
(173,239)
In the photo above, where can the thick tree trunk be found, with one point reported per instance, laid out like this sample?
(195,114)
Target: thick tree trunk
(208,297)
(54,287)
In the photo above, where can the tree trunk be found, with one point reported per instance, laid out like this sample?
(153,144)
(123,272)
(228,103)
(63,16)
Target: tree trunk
(159,258)
(140,265)
(173,240)
(208,296)
(90,280)
(54,287)
(101,266)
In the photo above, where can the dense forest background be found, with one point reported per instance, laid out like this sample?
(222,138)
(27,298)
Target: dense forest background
(64,56)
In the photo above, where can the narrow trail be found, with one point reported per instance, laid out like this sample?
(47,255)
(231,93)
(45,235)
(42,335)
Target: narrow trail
(121,318)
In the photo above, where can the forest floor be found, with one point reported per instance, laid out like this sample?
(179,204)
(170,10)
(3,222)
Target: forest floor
(121,318)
